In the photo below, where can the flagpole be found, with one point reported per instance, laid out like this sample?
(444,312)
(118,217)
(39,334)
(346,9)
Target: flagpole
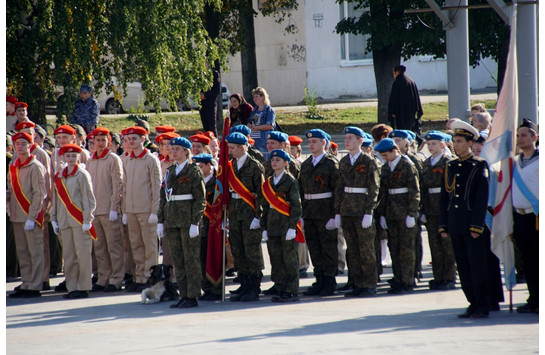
(223,256)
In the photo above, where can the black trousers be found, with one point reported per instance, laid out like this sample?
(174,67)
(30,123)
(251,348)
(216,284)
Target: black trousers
(527,238)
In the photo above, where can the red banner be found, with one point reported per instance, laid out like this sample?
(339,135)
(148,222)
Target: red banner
(282,206)
(72,209)
(214,256)
(20,196)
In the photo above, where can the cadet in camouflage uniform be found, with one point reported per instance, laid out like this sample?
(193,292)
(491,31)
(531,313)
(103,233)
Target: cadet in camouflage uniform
(245,209)
(356,198)
(442,254)
(280,230)
(180,212)
(399,201)
(252,151)
(319,177)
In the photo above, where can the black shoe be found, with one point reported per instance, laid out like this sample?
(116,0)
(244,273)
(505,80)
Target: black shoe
(112,288)
(209,296)
(61,287)
(286,297)
(76,294)
(368,292)
(189,303)
(400,290)
(433,284)
(140,287)
(135,287)
(494,307)
(18,293)
(316,287)
(179,303)
(31,294)
(236,280)
(354,293)
(346,288)
(329,286)
(16,288)
(303,274)
(97,288)
(230,272)
(94,279)
(237,291)
(271,291)
(478,315)
(521,279)
(527,308)
(466,314)
(46,286)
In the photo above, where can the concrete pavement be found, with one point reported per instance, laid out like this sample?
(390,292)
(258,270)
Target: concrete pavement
(424,322)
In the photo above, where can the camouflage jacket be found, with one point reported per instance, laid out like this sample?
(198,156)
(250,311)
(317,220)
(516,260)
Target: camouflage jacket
(181,214)
(256,154)
(321,178)
(295,168)
(273,221)
(432,178)
(364,173)
(251,175)
(397,206)
(210,188)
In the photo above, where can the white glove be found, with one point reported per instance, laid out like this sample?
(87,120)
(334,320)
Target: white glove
(338,220)
(330,225)
(160,230)
(29,225)
(255,224)
(55,227)
(366,221)
(423,218)
(383,224)
(264,236)
(410,222)
(290,234)
(193,231)
(86,227)
(124,219)
(225,225)
(113,216)
(152,218)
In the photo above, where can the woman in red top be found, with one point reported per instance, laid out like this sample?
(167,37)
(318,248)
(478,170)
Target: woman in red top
(240,110)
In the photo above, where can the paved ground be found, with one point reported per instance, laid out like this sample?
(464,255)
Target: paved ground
(424,322)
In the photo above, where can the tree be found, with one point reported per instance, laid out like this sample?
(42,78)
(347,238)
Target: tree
(161,43)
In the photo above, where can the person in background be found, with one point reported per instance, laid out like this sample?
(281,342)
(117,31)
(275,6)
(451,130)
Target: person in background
(240,110)
(482,121)
(262,120)
(209,104)
(87,110)
(404,107)
(11,117)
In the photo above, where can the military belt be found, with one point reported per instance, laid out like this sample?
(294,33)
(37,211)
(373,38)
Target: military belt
(237,196)
(318,196)
(355,190)
(181,197)
(434,190)
(524,211)
(401,190)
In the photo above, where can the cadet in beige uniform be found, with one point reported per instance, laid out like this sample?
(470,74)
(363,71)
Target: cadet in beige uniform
(71,215)
(141,186)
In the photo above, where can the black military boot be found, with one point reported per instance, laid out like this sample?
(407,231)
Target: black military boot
(329,286)
(242,290)
(252,294)
(316,287)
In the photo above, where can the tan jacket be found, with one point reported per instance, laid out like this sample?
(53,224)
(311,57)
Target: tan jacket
(42,156)
(58,160)
(32,180)
(107,178)
(81,193)
(141,184)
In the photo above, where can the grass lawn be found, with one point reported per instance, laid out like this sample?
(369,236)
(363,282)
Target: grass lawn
(186,123)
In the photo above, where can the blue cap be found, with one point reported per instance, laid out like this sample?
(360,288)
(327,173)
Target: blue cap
(435,135)
(281,154)
(400,133)
(184,142)
(85,88)
(237,138)
(203,158)
(241,129)
(367,140)
(317,133)
(277,136)
(354,130)
(412,135)
(385,145)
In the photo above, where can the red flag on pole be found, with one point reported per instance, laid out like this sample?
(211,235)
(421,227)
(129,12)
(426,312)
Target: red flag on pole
(214,257)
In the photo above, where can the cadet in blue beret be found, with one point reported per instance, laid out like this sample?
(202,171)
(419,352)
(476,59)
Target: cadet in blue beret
(281,154)
(277,136)
(241,129)
(184,142)
(400,133)
(354,130)
(252,151)
(386,145)
(316,133)
(236,138)
(367,145)
(203,158)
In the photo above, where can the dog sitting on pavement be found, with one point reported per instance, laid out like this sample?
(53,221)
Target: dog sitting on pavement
(159,288)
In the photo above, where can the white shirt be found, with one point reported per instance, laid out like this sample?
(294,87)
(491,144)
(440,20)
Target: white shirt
(434,160)
(241,160)
(277,179)
(207,178)
(354,158)
(316,160)
(394,162)
(180,167)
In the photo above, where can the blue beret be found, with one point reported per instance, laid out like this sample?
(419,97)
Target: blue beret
(281,154)
(203,158)
(237,138)
(317,133)
(435,135)
(400,133)
(184,142)
(412,135)
(277,136)
(367,140)
(354,130)
(85,88)
(241,129)
(385,145)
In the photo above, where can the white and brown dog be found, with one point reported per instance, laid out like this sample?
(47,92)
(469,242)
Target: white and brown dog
(159,288)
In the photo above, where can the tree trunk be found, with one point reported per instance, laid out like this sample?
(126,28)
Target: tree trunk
(383,63)
(248,59)
(211,24)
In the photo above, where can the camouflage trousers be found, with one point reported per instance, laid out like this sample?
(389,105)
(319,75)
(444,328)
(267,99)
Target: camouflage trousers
(246,247)
(360,252)
(418,248)
(187,262)
(442,255)
(401,244)
(284,260)
(322,245)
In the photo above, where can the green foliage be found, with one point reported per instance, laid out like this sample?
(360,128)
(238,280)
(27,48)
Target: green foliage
(133,117)
(313,112)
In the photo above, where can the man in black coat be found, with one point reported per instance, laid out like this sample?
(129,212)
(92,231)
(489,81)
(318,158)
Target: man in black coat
(404,107)
(208,110)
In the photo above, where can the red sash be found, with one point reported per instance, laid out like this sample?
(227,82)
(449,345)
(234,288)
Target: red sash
(20,196)
(239,188)
(72,209)
(281,206)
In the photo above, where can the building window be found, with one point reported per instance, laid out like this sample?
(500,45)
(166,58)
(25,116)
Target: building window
(353,46)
